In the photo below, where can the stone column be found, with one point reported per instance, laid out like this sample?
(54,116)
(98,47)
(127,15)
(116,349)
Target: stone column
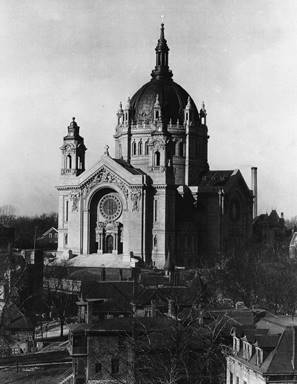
(86,235)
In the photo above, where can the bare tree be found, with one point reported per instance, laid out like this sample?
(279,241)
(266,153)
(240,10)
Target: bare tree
(7,214)
(61,293)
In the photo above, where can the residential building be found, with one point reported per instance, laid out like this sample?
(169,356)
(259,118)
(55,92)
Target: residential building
(264,352)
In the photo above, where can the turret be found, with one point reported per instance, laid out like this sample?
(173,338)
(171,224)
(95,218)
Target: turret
(120,114)
(157,110)
(127,112)
(203,114)
(73,151)
(188,112)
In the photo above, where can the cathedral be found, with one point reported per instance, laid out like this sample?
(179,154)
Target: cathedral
(156,200)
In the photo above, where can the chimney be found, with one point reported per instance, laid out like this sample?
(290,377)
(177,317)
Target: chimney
(171,311)
(293,347)
(255,191)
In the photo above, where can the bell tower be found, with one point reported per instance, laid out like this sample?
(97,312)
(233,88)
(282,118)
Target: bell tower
(73,151)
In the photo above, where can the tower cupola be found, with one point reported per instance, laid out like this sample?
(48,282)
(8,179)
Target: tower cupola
(73,151)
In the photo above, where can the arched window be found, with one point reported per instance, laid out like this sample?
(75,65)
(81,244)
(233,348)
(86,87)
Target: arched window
(69,162)
(157,159)
(79,162)
(181,148)
(156,114)
(140,148)
(146,148)
(155,241)
(120,151)
(133,148)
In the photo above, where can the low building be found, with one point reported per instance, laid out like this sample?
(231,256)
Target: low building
(49,239)
(269,228)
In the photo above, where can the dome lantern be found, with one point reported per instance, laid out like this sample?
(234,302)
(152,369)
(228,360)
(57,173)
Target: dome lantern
(162,70)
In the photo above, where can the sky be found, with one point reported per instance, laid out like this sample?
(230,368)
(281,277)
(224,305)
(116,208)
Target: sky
(65,58)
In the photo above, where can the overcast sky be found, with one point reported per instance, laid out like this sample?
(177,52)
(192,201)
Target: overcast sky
(81,58)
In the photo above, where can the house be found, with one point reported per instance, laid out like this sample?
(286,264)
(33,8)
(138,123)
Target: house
(264,352)
(48,240)
(269,228)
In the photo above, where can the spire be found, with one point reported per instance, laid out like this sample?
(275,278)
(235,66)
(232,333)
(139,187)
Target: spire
(162,70)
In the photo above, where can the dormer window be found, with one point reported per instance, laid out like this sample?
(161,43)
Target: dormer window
(259,356)
(236,344)
(247,350)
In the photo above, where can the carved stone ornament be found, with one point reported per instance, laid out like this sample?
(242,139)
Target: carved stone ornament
(158,142)
(105,176)
(74,197)
(135,197)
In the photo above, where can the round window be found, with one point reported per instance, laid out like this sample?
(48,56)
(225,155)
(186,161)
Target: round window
(110,206)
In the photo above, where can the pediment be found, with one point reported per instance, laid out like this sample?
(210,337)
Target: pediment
(104,175)
(108,169)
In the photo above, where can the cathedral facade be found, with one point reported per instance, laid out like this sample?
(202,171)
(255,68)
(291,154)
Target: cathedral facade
(156,200)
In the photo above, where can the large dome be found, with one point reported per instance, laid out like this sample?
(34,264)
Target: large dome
(172,97)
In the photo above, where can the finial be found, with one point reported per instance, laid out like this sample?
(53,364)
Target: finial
(157,103)
(128,103)
(106,152)
(162,19)
(73,119)
(120,108)
(203,107)
(188,106)
(162,35)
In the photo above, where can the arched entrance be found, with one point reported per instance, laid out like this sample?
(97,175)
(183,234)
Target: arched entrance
(108,244)
(106,222)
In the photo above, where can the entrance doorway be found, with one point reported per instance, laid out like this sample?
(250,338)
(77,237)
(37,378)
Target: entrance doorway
(109,244)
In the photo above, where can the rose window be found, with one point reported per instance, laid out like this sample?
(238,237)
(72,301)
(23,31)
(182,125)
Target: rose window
(110,206)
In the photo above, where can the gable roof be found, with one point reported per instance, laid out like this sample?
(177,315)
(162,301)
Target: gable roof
(129,167)
(52,229)
(277,337)
(216,178)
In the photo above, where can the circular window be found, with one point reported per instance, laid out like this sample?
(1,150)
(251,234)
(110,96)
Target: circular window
(110,206)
